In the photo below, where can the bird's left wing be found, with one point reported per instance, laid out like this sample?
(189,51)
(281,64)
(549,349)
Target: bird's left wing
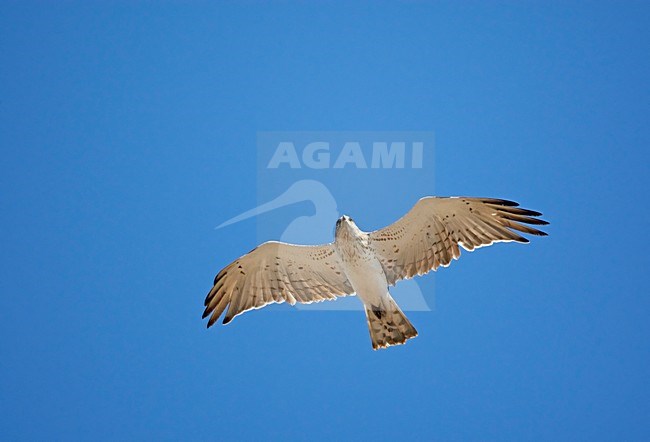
(429,235)
(276,272)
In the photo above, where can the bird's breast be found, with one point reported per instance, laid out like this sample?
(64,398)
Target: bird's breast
(362,267)
(353,250)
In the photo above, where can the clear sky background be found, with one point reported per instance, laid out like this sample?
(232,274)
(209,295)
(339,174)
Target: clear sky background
(128,132)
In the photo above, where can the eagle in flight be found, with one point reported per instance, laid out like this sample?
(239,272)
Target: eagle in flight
(368,263)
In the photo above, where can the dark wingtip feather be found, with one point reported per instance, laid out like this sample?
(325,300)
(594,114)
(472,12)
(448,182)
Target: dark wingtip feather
(209,297)
(516,210)
(219,276)
(509,203)
(535,221)
(227,319)
(528,212)
(536,232)
(524,219)
(212,320)
(500,202)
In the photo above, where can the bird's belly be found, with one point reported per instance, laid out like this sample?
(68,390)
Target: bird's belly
(366,275)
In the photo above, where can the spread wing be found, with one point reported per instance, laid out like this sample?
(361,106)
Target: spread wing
(276,272)
(430,234)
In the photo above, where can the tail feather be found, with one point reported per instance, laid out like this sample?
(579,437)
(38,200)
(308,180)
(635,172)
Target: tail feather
(388,325)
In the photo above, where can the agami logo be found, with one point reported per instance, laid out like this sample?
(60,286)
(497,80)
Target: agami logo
(351,154)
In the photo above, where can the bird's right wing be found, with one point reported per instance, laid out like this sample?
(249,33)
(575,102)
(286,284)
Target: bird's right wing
(429,235)
(276,272)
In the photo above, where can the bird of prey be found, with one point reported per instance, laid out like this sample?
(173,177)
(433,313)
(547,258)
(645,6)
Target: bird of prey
(367,263)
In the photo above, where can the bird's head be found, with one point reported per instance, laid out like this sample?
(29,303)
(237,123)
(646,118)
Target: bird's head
(346,226)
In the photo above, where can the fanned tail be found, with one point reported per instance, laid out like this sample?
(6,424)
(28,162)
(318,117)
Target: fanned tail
(388,325)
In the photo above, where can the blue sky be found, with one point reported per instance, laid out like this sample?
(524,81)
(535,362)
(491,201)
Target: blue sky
(129,132)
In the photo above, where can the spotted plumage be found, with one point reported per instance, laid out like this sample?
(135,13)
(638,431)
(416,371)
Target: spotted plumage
(430,235)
